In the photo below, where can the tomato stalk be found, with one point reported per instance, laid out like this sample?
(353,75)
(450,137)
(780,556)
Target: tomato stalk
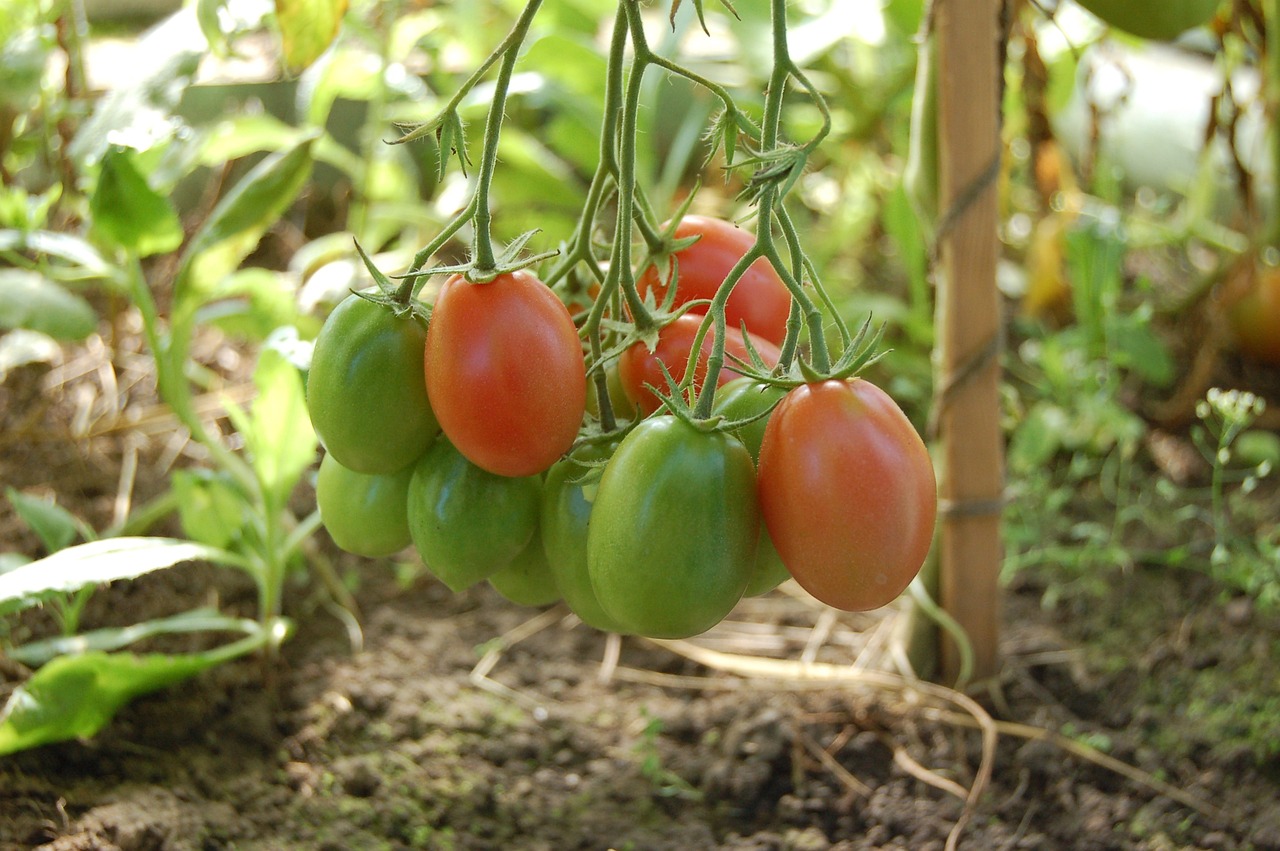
(482,254)
(1272,42)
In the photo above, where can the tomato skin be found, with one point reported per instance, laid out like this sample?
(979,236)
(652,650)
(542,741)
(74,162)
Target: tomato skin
(674,527)
(741,399)
(364,514)
(760,298)
(527,580)
(468,523)
(1255,317)
(638,367)
(848,493)
(504,372)
(365,389)
(568,494)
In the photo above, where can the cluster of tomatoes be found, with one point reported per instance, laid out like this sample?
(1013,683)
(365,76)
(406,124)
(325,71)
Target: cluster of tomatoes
(464,439)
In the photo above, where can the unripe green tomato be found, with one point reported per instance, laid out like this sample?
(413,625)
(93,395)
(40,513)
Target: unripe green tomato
(672,541)
(567,496)
(742,399)
(364,513)
(467,523)
(366,390)
(1162,20)
(527,581)
(623,408)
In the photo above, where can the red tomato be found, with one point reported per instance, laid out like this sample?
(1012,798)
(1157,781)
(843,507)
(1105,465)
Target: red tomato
(637,366)
(848,493)
(504,373)
(760,298)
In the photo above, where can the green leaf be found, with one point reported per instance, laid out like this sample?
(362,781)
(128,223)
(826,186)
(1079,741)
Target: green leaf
(210,508)
(1135,346)
(129,213)
(98,562)
(241,135)
(29,300)
(250,303)
(37,653)
(56,526)
(307,28)
(239,220)
(281,441)
(75,696)
(62,246)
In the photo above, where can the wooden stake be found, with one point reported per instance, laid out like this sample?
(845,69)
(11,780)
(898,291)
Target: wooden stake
(968,320)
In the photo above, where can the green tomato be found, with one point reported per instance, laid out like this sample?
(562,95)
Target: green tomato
(567,496)
(365,514)
(674,527)
(366,389)
(1157,19)
(467,523)
(528,580)
(742,399)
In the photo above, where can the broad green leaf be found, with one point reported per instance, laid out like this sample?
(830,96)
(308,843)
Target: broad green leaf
(98,562)
(37,653)
(246,134)
(75,696)
(128,212)
(210,508)
(239,220)
(29,300)
(62,246)
(1135,346)
(307,28)
(281,440)
(56,526)
(250,303)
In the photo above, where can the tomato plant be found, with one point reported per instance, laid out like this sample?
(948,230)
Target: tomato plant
(847,491)
(742,399)
(759,299)
(468,523)
(1255,316)
(527,580)
(567,496)
(623,408)
(365,513)
(673,532)
(365,388)
(504,372)
(639,369)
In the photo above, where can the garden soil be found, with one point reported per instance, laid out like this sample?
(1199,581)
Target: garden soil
(1141,718)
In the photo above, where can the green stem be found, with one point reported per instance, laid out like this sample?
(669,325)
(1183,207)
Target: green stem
(413,281)
(483,256)
(1272,17)
(170,353)
(627,166)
